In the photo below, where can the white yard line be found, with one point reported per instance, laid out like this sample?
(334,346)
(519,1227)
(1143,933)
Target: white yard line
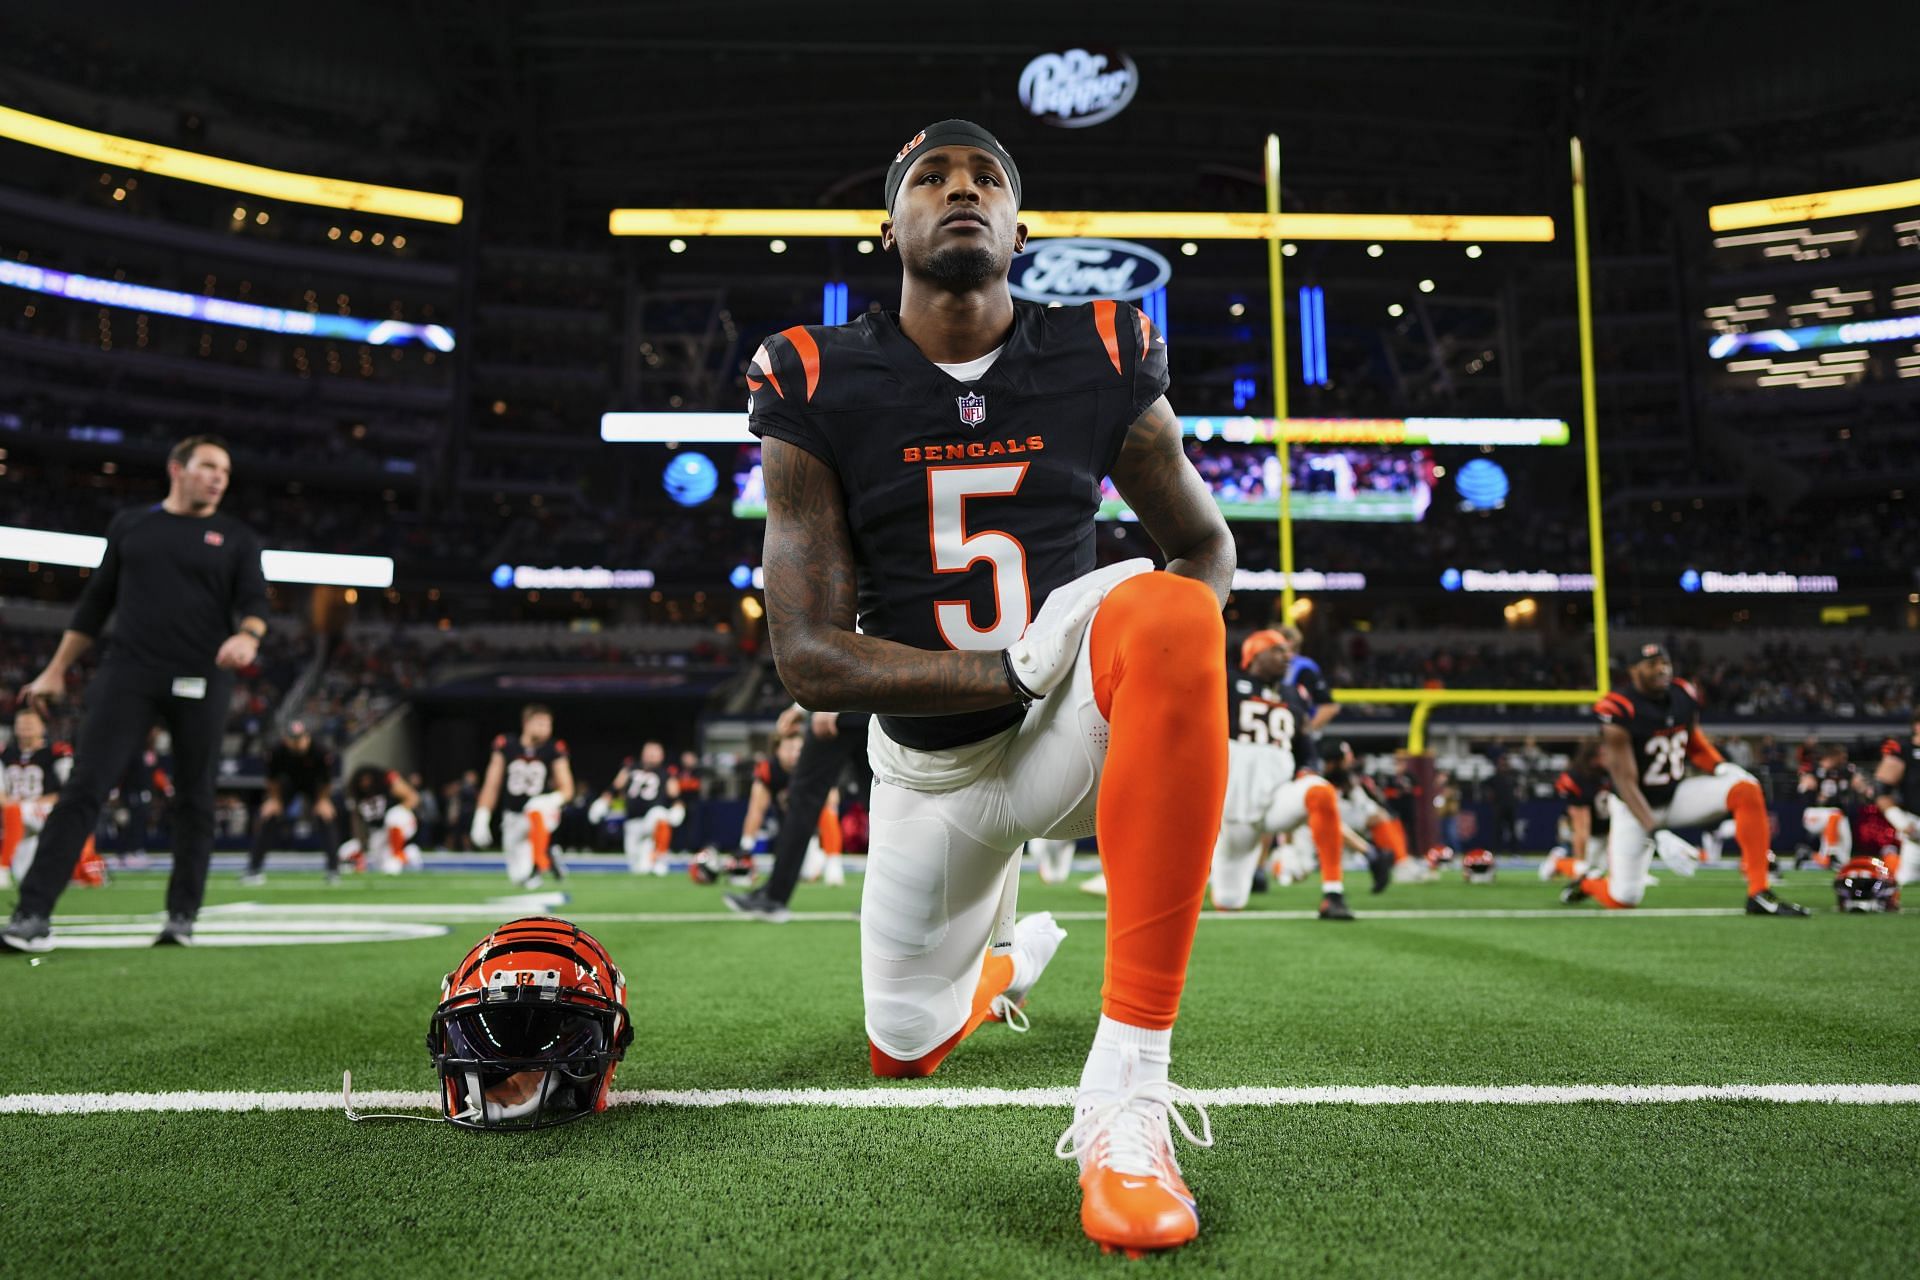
(909,1097)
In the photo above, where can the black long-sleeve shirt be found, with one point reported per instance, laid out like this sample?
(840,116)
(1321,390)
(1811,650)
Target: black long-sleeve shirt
(176,587)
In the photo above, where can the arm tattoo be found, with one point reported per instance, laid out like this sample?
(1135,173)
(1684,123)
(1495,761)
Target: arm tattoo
(1175,508)
(811,595)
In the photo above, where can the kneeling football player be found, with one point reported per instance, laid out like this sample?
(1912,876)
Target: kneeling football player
(1650,734)
(531,779)
(1271,786)
(932,482)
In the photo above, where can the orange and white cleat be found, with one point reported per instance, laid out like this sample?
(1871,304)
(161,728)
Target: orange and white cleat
(1132,1195)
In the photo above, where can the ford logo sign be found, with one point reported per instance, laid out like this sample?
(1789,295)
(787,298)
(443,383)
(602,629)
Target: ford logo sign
(1081,270)
(1077,88)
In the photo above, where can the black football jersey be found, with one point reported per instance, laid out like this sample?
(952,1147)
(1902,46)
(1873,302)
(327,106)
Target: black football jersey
(1907,791)
(370,792)
(646,787)
(28,775)
(529,770)
(1272,716)
(1832,784)
(967,503)
(1582,789)
(1663,732)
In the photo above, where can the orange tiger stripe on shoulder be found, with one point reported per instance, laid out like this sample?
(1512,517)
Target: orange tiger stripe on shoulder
(762,364)
(1109,335)
(809,353)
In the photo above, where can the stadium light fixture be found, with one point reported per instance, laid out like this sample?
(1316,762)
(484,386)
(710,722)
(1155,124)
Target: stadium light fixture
(85,551)
(228,175)
(1815,204)
(1121,225)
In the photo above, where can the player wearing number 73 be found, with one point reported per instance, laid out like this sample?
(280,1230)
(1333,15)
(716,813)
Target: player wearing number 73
(933,476)
(1650,734)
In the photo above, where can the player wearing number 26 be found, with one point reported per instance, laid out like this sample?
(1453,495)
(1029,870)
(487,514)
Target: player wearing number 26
(1652,744)
(932,480)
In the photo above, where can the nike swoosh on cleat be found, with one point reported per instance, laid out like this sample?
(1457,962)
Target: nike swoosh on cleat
(1131,1185)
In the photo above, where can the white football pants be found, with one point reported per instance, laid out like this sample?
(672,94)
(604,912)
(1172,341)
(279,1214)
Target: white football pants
(1699,801)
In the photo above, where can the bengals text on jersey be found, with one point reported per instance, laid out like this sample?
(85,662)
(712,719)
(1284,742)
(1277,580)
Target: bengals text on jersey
(967,502)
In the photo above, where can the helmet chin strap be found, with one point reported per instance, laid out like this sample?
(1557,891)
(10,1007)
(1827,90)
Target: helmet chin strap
(346,1104)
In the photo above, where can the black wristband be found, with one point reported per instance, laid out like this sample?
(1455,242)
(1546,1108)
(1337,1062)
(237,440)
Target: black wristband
(1023,695)
(258,636)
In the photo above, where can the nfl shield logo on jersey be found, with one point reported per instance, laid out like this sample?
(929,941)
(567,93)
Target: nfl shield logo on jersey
(973,408)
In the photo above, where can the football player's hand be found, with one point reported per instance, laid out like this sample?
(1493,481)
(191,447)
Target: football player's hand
(1041,658)
(1678,856)
(826,724)
(323,809)
(43,688)
(482,831)
(270,808)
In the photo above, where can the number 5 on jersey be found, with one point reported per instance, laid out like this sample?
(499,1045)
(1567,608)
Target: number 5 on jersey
(955,551)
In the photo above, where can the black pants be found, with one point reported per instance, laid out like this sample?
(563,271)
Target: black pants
(123,703)
(280,831)
(819,768)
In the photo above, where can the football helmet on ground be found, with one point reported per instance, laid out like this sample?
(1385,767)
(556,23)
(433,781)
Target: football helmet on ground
(529,1028)
(1865,884)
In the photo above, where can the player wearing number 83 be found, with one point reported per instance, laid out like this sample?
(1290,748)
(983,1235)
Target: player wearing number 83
(1650,735)
(933,477)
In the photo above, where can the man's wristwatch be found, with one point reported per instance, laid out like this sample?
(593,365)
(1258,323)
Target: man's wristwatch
(258,636)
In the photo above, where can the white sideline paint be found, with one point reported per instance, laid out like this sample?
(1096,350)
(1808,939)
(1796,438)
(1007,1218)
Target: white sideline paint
(910,1098)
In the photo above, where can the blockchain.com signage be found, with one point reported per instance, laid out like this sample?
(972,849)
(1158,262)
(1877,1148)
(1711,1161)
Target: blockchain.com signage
(1081,270)
(1078,87)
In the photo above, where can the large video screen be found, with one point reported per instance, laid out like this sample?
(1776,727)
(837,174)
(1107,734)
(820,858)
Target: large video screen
(1370,483)
(1814,305)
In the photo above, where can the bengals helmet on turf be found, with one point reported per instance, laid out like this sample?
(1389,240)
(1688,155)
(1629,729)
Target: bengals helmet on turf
(1439,856)
(1477,866)
(529,1028)
(1865,884)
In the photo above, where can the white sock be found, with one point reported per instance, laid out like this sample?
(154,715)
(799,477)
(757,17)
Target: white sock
(1104,1072)
(1333,886)
(1035,939)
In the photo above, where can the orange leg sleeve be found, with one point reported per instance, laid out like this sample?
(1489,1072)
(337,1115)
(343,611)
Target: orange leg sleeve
(13,829)
(662,838)
(397,844)
(1323,819)
(830,832)
(1390,834)
(1596,888)
(1751,831)
(1158,648)
(1564,867)
(995,973)
(538,838)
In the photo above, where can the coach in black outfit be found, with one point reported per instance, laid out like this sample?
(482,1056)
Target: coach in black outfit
(833,741)
(175,577)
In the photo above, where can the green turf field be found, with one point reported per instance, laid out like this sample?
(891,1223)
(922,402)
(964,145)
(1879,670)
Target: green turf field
(1688,1188)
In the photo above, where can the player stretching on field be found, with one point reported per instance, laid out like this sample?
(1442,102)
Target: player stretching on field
(533,774)
(1650,734)
(933,477)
